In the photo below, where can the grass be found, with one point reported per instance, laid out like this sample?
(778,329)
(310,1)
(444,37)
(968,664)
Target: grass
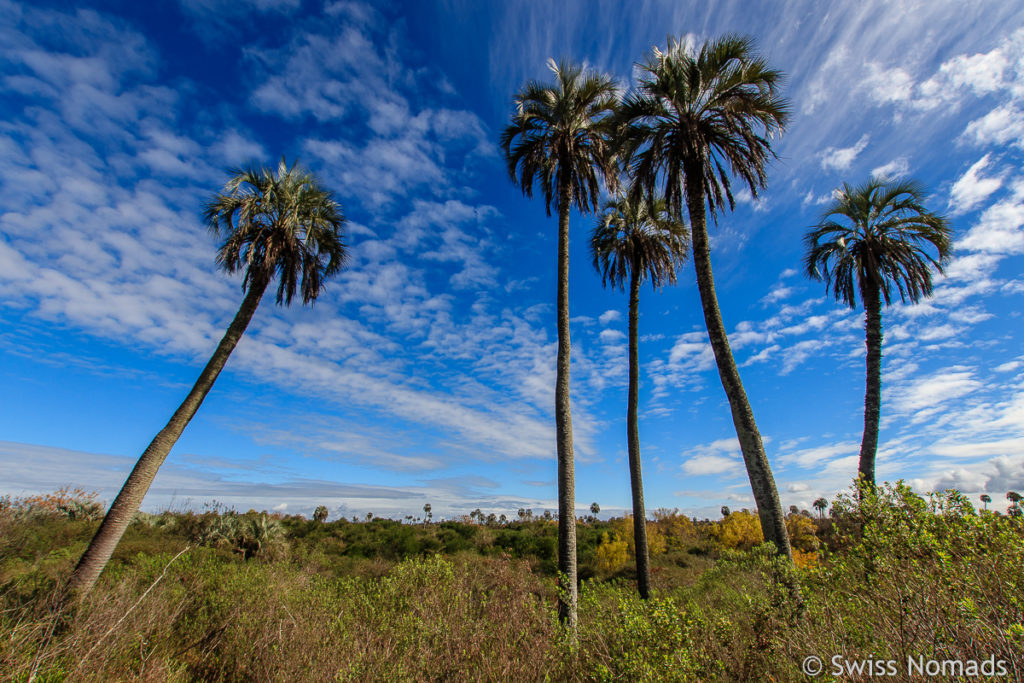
(250,597)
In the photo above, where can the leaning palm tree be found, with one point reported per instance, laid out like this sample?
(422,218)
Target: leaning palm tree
(637,240)
(871,240)
(694,118)
(560,138)
(275,222)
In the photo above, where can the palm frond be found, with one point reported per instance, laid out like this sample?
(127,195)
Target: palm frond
(878,234)
(561,137)
(278,222)
(703,118)
(634,235)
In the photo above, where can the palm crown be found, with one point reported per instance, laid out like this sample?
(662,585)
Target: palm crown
(879,236)
(637,235)
(278,221)
(561,136)
(701,116)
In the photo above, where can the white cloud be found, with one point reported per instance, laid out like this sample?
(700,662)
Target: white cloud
(811,198)
(763,355)
(995,476)
(888,85)
(1003,125)
(972,187)
(718,457)
(234,149)
(998,230)
(894,169)
(609,316)
(819,456)
(611,336)
(777,293)
(796,354)
(1009,366)
(936,332)
(840,159)
(924,395)
(982,73)
(701,465)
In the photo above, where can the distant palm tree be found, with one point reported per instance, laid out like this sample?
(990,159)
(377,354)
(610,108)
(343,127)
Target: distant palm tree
(560,138)
(595,509)
(275,222)
(725,511)
(694,118)
(871,240)
(1014,498)
(821,505)
(320,514)
(637,240)
(428,512)
(986,499)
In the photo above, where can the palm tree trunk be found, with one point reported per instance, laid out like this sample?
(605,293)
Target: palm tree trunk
(127,502)
(568,597)
(643,570)
(766,496)
(873,389)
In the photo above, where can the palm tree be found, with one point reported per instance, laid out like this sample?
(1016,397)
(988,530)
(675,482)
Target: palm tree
(275,222)
(637,240)
(693,119)
(560,138)
(821,505)
(986,499)
(871,240)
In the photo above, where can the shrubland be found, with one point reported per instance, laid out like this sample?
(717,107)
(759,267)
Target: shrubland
(229,596)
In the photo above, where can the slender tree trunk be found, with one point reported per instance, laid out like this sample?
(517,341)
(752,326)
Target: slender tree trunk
(873,390)
(127,502)
(766,496)
(643,569)
(569,598)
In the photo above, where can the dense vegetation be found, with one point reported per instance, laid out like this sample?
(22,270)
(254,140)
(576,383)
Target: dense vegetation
(224,596)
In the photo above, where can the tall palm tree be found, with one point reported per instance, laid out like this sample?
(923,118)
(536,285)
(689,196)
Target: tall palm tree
(275,222)
(637,240)
(1014,498)
(986,499)
(694,118)
(561,138)
(871,240)
(821,505)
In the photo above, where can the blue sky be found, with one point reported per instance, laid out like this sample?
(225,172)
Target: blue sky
(425,372)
